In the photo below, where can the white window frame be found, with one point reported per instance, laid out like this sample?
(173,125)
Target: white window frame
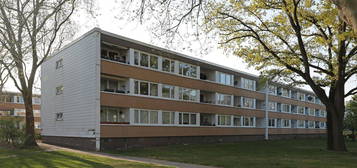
(189,118)
(149,59)
(283,122)
(191,66)
(226,76)
(297,124)
(281,106)
(226,118)
(181,92)
(250,126)
(171,69)
(221,95)
(245,98)
(274,121)
(149,117)
(172,91)
(149,88)
(249,82)
(172,118)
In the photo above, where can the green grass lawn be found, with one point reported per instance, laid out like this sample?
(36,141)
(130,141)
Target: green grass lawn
(262,154)
(36,158)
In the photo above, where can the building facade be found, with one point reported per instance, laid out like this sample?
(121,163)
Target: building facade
(105,91)
(12,105)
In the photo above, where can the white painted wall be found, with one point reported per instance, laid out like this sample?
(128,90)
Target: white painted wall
(80,101)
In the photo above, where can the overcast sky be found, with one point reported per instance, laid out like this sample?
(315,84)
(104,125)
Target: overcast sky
(108,19)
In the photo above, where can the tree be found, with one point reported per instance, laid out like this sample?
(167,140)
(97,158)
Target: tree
(300,42)
(30,32)
(351,116)
(347,12)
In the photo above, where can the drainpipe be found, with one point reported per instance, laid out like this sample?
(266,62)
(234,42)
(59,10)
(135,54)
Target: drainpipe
(266,136)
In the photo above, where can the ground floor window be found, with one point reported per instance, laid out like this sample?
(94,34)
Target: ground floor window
(146,116)
(248,121)
(187,118)
(300,123)
(111,114)
(168,117)
(272,123)
(285,123)
(224,120)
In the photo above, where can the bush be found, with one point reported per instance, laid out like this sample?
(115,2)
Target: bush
(11,132)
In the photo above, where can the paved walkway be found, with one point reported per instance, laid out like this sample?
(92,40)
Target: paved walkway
(120,157)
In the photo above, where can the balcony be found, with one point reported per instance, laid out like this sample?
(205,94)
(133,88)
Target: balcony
(114,84)
(206,74)
(114,53)
(207,119)
(114,115)
(207,97)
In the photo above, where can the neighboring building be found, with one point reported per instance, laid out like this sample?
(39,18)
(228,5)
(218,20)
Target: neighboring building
(12,104)
(105,91)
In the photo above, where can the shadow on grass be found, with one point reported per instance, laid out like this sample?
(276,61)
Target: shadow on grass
(30,159)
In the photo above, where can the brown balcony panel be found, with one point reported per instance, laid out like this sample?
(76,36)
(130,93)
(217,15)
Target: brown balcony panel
(120,100)
(129,71)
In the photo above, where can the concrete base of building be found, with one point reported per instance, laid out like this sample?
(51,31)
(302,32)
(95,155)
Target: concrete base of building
(71,142)
(140,142)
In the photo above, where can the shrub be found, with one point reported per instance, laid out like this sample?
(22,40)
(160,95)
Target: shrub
(11,131)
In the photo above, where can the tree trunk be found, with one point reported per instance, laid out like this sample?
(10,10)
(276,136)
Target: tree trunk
(30,128)
(335,116)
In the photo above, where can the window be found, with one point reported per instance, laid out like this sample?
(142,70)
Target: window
(224,99)
(114,55)
(286,123)
(285,108)
(146,116)
(301,96)
(309,98)
(272,89)
(225,79)
(300,123)
(248,121)
(272,123)
(188,94)
(108,85)
(168,117)
(59,64)
(146,88)
(59,116)
(300,110)
(248,102)
(284,92)
(224,120)
(187,118)
(272,106)
(311,124)
(168,91)
(311,112)
(146,60)
(237,121)
(323,113)
(248,84)
(168,65)
(322,124)
(110,114)
(59,90)
(187,70)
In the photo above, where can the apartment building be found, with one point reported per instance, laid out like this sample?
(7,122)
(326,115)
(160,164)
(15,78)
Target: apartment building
(12,105)
(105,91)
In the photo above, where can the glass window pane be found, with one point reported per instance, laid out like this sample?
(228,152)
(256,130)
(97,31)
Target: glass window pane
(103,115)
(136,116)
(153,62)
(193,119)
(136,87)
(144,117)
(144,60)
(180,118)
(136,58)
(153,117)
(237,121)
(103,84)
(166,65)
(144,88)
(166,91)
(166,118)
(172,66)
(153,89)
(186,118)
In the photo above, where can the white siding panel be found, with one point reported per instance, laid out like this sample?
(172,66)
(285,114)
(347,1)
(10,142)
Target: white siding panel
(79,102)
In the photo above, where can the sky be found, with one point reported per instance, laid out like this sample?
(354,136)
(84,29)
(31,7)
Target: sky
(108,18)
